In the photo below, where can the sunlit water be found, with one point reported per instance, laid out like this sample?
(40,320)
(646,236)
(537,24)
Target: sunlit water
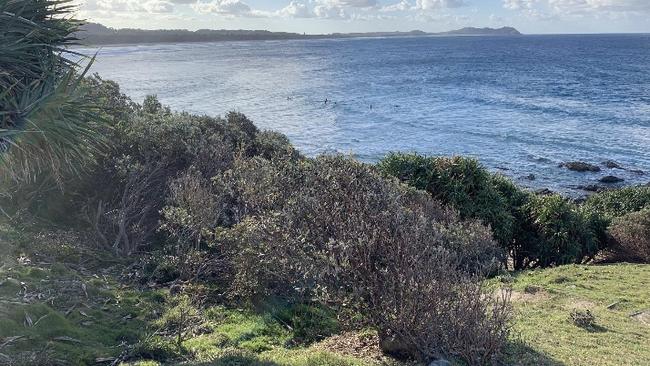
(522,105)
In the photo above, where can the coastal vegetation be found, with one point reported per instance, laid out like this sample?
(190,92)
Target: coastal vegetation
(186,239)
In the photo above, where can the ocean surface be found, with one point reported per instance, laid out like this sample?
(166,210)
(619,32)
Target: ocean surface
(521,105)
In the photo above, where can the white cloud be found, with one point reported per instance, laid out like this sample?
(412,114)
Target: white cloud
(344,9)
(439,4)
(496,18)
(600,5)
(128,6)
(231,8)
(331,12)
(323,9)
(403,5)
(296,9)
(541,9)
(349,3)
(518,4)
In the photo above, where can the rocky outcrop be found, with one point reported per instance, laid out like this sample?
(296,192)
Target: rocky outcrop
(580,166)
(592,188)
(610,179)
(611,164)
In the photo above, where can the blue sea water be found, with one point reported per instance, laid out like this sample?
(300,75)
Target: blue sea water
(522,105)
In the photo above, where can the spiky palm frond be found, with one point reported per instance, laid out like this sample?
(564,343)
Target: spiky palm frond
(45,121)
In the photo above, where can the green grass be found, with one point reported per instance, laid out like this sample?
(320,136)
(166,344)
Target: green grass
(237,329)
(302,357)
(56,317)
(51,312)
(543,300)
(242,337)
(60,311)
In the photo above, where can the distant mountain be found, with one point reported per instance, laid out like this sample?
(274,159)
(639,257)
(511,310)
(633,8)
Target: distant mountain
(97,34)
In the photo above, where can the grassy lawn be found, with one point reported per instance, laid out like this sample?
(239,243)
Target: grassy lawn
(543,300)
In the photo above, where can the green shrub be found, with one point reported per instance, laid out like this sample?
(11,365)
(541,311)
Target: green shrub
(523,248)
(631,235)
(535,231)
(564,230)
(461,182)
(475,193)
(619,202)
(164,269)
(606,206)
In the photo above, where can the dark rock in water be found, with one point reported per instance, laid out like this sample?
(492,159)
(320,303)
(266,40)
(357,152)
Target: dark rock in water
(611,164)
(544,192)
(592,188)
(610,179)
(530,177)
(580,166)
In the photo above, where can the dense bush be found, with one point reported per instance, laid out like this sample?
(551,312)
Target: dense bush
(564,230)
(606,206)
(158,157)
(350,237)
(523,249)
(619,202)
(631,235)
(535,230)
(461,182)
(332,198)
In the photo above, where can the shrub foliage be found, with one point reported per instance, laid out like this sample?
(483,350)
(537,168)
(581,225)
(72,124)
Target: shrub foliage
(351,238)
(631,235)
(534,230)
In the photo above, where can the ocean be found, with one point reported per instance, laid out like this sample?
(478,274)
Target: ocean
(521,105)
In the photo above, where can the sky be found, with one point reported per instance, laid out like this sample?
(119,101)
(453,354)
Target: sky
(330,16)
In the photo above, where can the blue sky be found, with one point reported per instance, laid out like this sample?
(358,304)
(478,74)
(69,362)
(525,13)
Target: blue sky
(328,16)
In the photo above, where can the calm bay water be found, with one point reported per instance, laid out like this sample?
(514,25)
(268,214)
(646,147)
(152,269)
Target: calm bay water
(522,105)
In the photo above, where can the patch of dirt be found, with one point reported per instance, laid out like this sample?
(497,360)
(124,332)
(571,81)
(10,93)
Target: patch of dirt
(518,296)
(363,345)
(582,304)
(642,317)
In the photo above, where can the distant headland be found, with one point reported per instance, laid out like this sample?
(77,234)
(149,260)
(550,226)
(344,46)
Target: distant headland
(98,34)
